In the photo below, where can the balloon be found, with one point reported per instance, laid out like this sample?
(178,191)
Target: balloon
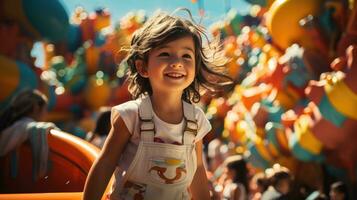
(283,21)
(107,63)
(87,29)
(276,137)
(101,19)
(49,18)
(92,59)
(15,77)
(65,101)
(13,10)
(303,143)
(74,37)
(239,135)
(40,18)
(259,154)
(97,93)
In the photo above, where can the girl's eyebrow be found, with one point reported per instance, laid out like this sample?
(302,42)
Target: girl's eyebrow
(167,46)
(189,48)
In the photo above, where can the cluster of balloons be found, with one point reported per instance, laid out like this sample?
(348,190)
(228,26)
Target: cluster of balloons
(289,106)
(87,68)
(22,23)
(82,53)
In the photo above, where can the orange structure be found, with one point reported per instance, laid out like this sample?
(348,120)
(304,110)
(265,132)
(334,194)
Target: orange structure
(70,161)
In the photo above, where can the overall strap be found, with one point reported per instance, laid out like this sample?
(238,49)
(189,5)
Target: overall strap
(147,126)
(191,125)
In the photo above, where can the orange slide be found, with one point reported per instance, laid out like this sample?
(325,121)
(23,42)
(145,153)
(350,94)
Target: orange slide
(70,160)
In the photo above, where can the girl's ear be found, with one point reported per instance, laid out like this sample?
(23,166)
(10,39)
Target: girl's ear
(141,68)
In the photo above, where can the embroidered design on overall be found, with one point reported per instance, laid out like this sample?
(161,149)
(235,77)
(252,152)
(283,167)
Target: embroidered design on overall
(168,170)
(136,190)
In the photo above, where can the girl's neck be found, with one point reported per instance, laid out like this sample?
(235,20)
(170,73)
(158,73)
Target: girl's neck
(168,107)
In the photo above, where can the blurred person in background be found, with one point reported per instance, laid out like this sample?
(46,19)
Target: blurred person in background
(102,128)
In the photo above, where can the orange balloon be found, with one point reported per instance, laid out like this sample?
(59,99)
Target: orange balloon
(92,58)
(97,93)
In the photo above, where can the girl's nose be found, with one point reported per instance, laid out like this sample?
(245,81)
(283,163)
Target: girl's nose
(176,63)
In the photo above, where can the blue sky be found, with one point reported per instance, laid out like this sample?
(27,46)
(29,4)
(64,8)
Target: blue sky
(215,10)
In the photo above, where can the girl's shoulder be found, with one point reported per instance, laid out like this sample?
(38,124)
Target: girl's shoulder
(129,106)
(128,112)
(199,113)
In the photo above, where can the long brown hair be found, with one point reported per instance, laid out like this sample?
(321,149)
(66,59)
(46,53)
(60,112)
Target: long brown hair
(22,105)
(162,28)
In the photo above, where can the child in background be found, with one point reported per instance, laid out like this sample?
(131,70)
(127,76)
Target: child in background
(102,128)
(279,178)
(259,184)
(21,121)
(216,154)
(155,142)
(236,184)
(338,191)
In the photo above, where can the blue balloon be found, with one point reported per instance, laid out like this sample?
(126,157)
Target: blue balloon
(74,38)
(99,39)
(49,18)
(28,78)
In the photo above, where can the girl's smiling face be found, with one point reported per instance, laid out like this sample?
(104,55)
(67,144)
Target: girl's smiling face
(171,67)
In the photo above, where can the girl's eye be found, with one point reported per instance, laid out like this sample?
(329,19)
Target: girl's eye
(187,56)
(164,54)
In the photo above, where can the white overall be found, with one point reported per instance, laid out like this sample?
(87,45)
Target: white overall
(159,170)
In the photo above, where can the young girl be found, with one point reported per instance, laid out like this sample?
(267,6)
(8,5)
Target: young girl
(280,180)
(236,185)
(155,144)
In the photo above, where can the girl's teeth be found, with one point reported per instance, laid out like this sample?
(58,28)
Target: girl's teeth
(175,75)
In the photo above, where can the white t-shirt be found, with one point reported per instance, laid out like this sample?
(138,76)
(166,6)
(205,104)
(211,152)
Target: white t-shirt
(270,194)
(230,188)
(168,133)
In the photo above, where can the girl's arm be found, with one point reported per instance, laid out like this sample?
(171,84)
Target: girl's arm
(199,185)
(103,168)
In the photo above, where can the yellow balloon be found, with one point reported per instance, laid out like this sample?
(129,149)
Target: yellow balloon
(263,150)
(283,21)
(240,132)
(306,138)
